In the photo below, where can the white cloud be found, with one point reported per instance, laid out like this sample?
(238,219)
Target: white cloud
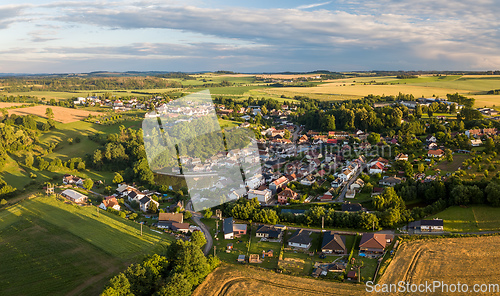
(438,33)
(308,6)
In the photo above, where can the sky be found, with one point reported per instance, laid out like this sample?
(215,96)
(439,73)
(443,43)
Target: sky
(248,36)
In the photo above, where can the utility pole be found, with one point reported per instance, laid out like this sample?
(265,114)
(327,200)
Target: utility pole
(373,225)
(216,226)
(97,211)
(322,222)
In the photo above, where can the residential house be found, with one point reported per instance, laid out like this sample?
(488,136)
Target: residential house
(427,225)
(476,142)
(269,232)
(74,196)
(328,196)
(308,180)
(232,230)
(337,183)
(346,174)
(262,196)
(333,243)
(109,202)
(431,139)
(390,181)
(72,180)
(300,239)
(358,184)
(255,181)
(374,243)
(401,157)
(377,191)
(180,227)
(165,220)
(377,168)
(278,184)
(435,153)
(352,207)
(287,194)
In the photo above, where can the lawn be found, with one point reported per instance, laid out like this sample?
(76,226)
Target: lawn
(257,246)
(228,123)
(50,247)
(470,219)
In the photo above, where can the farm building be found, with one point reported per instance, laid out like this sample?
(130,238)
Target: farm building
(74,196)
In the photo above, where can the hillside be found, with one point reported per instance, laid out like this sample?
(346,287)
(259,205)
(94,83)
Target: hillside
(64,249)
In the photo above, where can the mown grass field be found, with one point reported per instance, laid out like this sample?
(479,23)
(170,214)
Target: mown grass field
(49,247)
(245,280)
(470,219)
(471,260)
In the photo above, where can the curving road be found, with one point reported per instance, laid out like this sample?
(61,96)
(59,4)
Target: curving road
(197,220)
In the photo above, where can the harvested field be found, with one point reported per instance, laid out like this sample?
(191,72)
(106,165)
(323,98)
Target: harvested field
(61,114)
(470,260)
(244,280)
(7,105)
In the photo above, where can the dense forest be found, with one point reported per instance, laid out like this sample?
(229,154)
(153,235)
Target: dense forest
(17,84)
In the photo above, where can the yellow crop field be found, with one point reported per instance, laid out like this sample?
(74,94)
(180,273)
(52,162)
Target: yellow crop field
(469,260)
(337,90)
(242,280)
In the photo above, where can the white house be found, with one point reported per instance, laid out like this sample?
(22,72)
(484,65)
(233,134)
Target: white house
(346,174)
(255,181)
(262,196)
(110,202)
(376,168)
(300,239)
(146,201)
(476,142)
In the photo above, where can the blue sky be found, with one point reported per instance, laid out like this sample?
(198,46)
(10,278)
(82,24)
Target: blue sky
(248,36)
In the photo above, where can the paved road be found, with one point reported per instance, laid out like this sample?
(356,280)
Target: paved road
(352,180)
(197,220)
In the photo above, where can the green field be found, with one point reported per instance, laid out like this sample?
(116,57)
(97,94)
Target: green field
(49,247)
(470,219)
(228,123)
(17,175)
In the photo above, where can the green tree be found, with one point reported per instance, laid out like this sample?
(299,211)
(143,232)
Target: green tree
(117,179)
(29,160)
(493,194)
(49,113)
(88,184)
(208,214)
(152,208)
(187,214)
(374,138)
(198,239)
(118,286)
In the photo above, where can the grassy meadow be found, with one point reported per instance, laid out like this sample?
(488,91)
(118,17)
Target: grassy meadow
(52,247)
(470,219)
